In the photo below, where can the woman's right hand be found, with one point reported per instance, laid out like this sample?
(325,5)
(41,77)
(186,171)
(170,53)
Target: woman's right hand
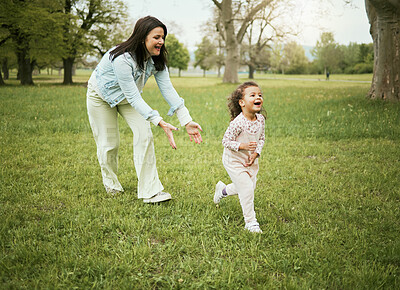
(168,128)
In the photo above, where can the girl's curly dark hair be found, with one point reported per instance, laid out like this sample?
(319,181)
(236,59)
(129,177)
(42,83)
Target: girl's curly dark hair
(233,100)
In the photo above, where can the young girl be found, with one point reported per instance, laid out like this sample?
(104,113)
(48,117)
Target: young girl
(243,142)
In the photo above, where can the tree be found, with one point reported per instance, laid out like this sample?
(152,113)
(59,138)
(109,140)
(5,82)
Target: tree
(276,57)
(101,40)
(4,39)
(205,55)
(350,55)
(365,53)
(294,58)
(357,58)
(384,19)
(265,27)
(33,30)
(327,52)
(178,54)
(235,17)
(85,21)
(256,57)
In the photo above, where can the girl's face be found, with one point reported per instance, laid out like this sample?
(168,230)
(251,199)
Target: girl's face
(252,100)
(154,41)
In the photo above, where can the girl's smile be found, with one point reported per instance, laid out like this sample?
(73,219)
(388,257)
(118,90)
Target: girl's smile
(251,102)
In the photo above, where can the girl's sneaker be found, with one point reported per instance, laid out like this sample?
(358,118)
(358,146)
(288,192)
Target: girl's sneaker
(218,195)
(253,227)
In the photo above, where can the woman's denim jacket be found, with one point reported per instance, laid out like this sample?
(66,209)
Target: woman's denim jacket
(116,80)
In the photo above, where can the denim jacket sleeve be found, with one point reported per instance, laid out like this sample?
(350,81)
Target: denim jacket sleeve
(168,91)
(123,68)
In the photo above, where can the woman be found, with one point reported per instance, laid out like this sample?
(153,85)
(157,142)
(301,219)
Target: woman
(115,87)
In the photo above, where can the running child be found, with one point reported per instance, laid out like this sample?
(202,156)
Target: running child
(243,142)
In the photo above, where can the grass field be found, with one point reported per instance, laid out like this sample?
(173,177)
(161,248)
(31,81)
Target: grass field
(327,196)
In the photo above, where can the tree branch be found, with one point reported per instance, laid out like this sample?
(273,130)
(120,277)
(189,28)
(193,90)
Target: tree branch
(217,4)
(98,49)
(4,40)
(248,18)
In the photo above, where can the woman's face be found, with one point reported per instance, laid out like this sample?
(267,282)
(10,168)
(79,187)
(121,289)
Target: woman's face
(154,41)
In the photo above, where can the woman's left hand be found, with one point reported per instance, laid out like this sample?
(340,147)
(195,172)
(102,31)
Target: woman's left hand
(192,129)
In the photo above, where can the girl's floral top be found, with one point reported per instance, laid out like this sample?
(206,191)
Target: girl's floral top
(237,126)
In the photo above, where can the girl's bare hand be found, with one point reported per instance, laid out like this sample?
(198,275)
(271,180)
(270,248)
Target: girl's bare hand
(252,158)
(251,146)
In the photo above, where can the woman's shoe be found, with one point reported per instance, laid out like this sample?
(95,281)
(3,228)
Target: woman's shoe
(159,197)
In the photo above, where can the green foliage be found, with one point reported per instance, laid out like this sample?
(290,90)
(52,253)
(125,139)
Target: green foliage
(327,194)
(178,54)
(358,58)
(86,29)
(360,68)
(206,54)
(294,58)
(96,25)
(327,53)
(352,59)
(44,31)
(34,31)
(366,53)
(276,57)
(350,55)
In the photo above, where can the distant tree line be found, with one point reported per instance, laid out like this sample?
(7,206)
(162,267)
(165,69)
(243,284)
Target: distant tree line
(290,58)
(53,35)
(61,35)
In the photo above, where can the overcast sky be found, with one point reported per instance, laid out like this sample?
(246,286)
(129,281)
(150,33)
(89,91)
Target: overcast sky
(185,18)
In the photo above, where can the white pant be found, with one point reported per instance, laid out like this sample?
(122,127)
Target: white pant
(104,123)
(244,180)
(243,185)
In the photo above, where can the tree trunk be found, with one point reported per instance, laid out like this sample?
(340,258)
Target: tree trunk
(232,39)
(231,62)
(251,71)
(4,68)
(232,46)
(204,73)
(2,83)
(384,18)
(24,66)
(68,64)
(179,72)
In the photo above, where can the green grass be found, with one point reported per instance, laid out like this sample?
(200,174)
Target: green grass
(327,196)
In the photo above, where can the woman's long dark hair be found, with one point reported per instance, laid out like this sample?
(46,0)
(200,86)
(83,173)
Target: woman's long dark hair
(136,46)
(233,100)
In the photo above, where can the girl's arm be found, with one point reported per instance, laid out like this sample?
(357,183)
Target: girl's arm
(261,141)
(230,136)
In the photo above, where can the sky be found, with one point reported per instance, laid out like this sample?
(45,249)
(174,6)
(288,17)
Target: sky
(186,19)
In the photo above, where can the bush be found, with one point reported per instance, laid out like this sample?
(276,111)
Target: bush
(360,68)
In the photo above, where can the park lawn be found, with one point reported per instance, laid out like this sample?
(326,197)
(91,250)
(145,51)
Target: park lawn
(327,196)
